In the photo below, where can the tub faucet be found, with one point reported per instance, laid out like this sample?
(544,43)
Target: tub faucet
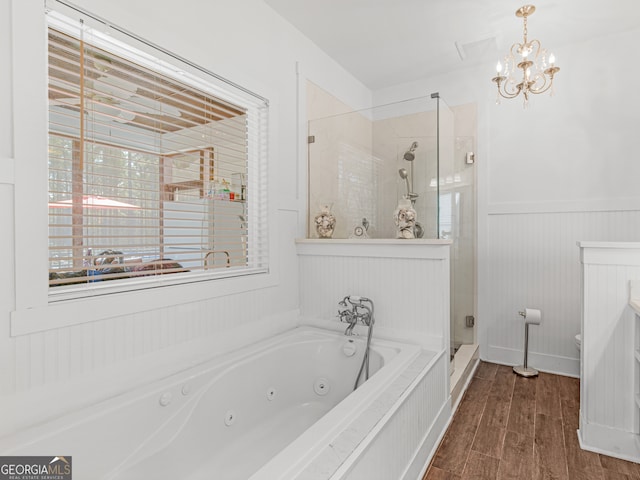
(352,309)
(347,315)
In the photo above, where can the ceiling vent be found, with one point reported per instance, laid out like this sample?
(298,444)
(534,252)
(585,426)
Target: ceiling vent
(478,50)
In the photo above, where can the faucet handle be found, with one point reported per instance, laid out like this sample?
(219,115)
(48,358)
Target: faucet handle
(344,315)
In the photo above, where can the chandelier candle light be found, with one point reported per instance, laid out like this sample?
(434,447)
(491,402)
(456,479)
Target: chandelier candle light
(537,66)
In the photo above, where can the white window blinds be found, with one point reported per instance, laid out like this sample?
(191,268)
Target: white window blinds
(152,169)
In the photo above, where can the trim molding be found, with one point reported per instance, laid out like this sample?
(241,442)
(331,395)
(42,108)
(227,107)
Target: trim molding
(378,248)
(610,253)
(609,441)
(566,366)
(73,312)
(571,206)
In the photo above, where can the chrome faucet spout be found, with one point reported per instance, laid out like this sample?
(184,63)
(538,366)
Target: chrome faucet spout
(349,330)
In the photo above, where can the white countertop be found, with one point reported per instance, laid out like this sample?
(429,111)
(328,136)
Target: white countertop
(375,241)
(589,244)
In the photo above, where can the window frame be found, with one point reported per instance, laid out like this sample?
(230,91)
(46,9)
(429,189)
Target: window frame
(35,309)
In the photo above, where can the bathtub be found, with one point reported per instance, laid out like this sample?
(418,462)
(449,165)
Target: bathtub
(264,412)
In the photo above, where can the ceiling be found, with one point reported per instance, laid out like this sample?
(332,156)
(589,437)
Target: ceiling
(388,42)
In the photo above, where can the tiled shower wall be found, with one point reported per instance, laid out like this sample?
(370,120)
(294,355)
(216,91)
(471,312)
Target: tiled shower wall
(354,163)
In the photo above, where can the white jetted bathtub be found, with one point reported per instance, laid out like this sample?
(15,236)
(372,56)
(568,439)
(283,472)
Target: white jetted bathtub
(264,412)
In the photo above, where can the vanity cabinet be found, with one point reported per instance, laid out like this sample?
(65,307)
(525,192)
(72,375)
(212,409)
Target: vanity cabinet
(610,356)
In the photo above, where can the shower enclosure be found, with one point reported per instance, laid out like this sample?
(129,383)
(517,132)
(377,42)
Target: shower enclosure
(365,165)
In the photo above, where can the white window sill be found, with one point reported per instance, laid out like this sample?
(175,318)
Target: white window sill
(65,313)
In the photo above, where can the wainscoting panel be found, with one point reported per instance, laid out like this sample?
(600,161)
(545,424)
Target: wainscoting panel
(409,287)
(405,444)
(533,261)
(608,386)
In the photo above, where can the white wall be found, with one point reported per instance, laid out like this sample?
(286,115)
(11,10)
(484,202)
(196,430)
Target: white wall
(245,42)
(565,169)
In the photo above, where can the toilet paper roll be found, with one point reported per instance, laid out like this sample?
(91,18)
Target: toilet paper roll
(532,316)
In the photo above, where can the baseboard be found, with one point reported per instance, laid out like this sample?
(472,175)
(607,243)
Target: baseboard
(609,441)
(566,366)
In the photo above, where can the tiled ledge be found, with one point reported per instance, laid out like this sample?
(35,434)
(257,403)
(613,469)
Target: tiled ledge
(373,241)
(378,247)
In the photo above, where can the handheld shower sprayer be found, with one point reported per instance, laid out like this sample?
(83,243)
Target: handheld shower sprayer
(409,156)
(405,176)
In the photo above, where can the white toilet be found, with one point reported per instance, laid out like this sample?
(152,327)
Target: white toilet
(578,340)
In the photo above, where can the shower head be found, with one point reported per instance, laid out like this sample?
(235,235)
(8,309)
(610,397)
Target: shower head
(409,155)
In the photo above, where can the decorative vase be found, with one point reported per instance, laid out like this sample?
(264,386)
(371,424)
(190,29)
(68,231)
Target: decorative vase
(325,222)
(405,219)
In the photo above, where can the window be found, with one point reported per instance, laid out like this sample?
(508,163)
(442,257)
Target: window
(153,170)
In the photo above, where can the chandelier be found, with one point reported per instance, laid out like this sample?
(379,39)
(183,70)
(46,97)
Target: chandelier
(533,63)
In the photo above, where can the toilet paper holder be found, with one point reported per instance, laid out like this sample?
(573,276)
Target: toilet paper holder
(531,317)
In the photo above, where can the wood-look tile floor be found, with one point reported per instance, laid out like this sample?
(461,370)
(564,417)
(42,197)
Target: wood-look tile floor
(510,427)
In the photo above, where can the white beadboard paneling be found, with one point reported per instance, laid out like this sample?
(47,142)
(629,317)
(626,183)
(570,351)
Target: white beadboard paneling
(410,292)
(608,342)
(50,371)
(412,428)
(21,363)
(63,354)
(533,261)
(37,361)
(607,396)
